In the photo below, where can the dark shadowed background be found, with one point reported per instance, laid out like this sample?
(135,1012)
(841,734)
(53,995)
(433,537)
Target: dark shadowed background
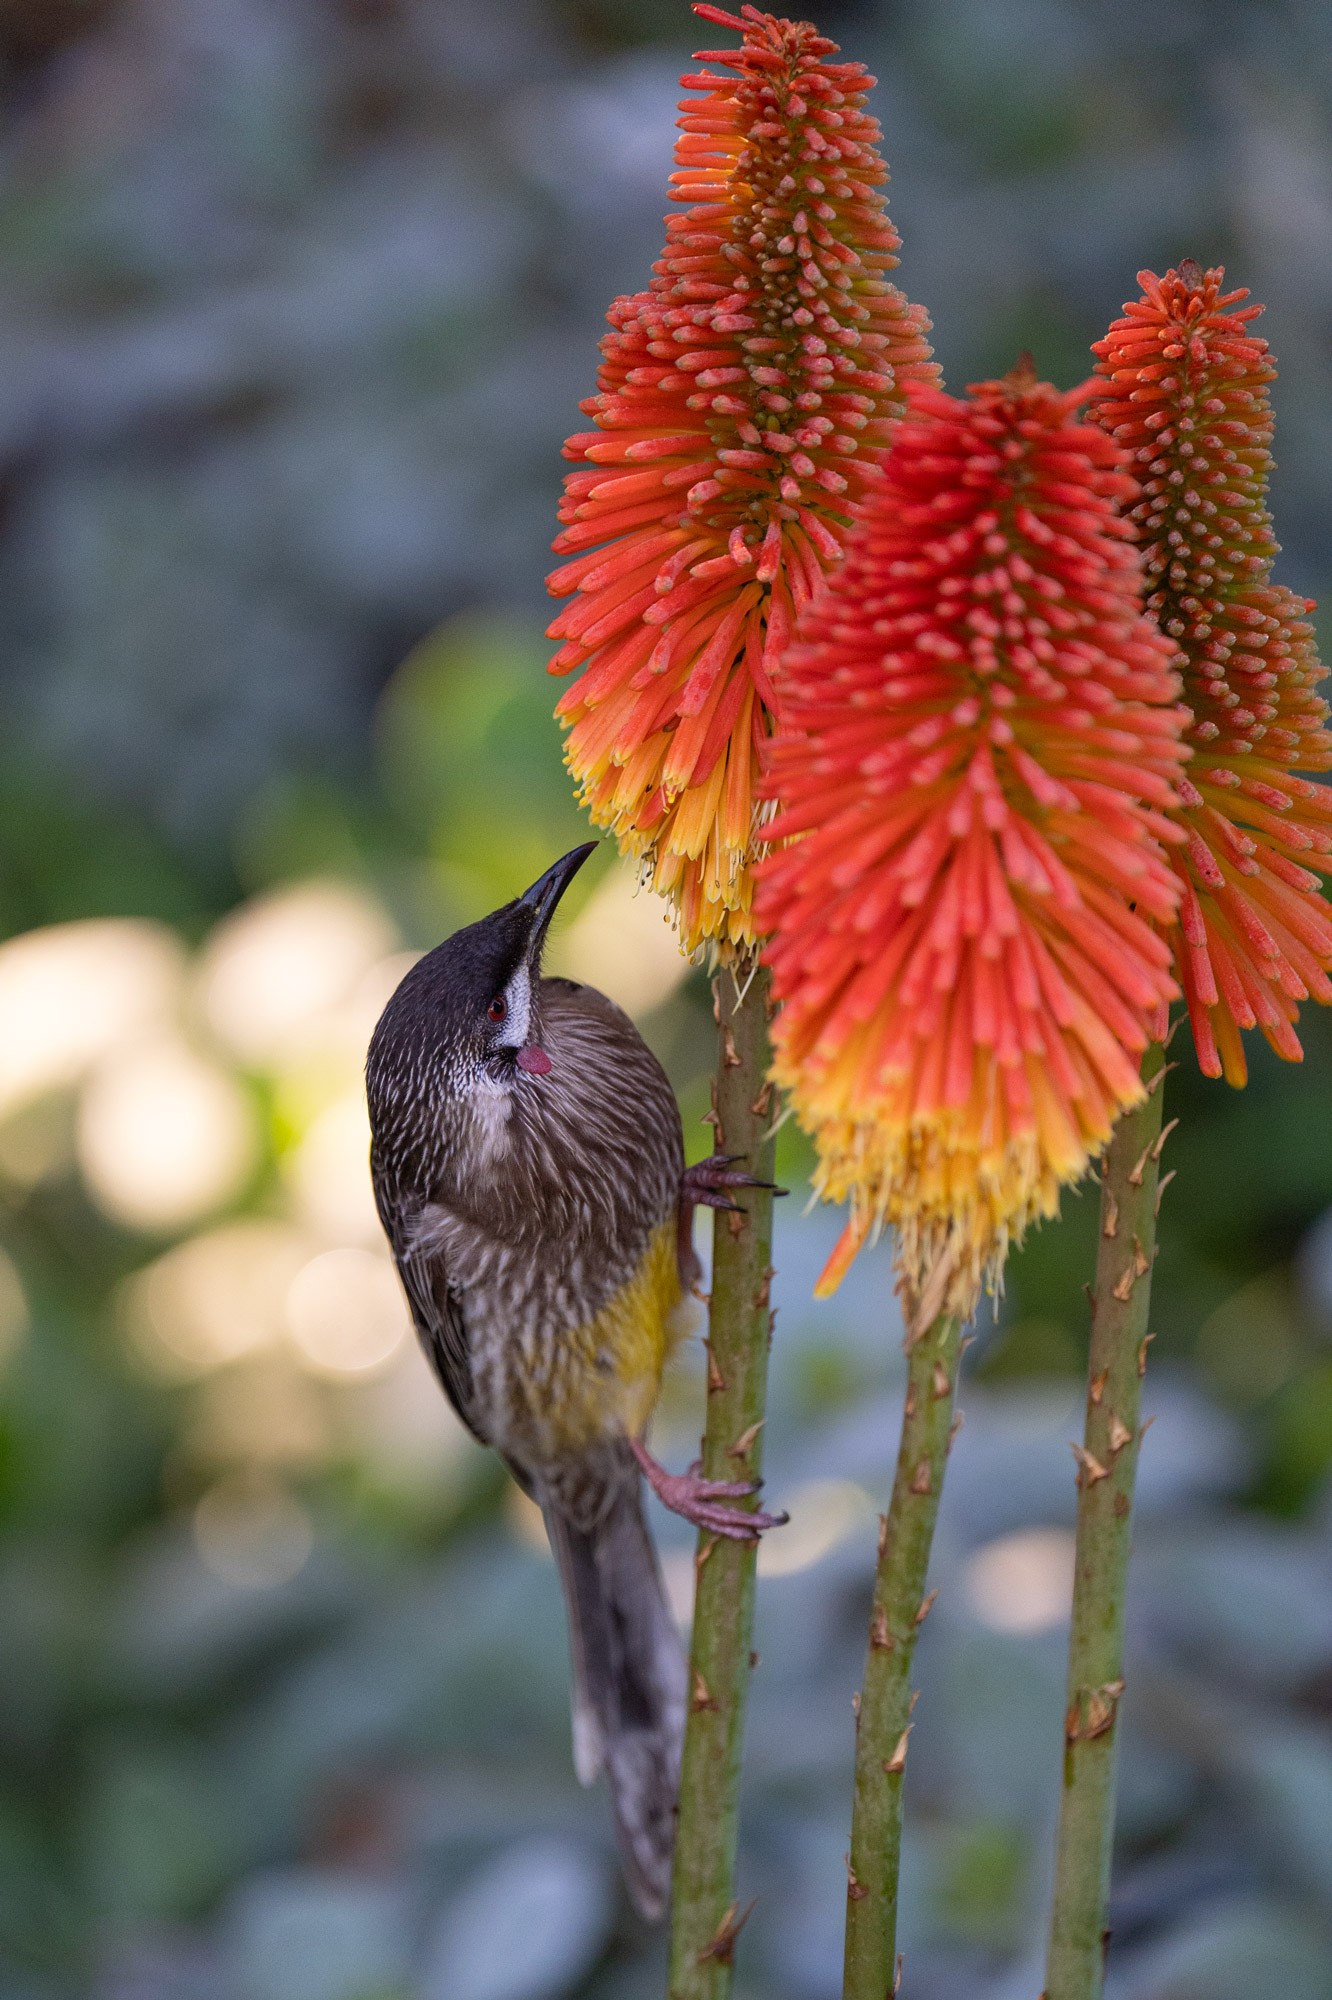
(299,298)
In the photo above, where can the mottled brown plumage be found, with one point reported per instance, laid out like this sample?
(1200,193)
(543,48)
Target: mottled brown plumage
(529,1171)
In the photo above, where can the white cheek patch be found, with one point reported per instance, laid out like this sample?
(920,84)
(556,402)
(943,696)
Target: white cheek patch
(518,1019)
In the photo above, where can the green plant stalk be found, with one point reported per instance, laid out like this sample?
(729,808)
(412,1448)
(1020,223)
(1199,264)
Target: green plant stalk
(705,1920)
(1107,1463)
(883,1716)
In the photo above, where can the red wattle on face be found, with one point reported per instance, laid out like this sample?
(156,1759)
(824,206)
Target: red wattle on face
(535,1061)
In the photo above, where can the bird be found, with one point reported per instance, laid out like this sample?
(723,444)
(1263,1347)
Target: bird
(527,1159)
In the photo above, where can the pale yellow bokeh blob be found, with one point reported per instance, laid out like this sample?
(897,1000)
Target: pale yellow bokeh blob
(824,1513)
(274,969)
(1022,1582)
(623,941)
(71,992)
(212,1300)
(328,1174)
(165,1136)
(346,1314)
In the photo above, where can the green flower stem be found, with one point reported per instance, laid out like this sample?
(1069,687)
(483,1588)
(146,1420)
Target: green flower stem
(1107,1462)
(883,1718)
(705,1919)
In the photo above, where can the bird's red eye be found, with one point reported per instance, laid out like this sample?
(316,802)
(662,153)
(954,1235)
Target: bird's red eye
(498,1007)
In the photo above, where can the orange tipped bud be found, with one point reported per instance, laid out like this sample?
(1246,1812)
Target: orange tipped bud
(744,408)
(1186,394)
(978,752)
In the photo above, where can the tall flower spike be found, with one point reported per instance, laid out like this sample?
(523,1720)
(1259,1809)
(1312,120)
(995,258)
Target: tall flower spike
(744,407)
(1187,395)
(978,751)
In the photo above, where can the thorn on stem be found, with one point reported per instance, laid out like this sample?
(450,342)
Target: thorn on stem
(1161,1187)
(1090,1468)
(920,1482)
(926,1606)
(722,1947)
(897,1762)
(1166,1130)
(1111,1223)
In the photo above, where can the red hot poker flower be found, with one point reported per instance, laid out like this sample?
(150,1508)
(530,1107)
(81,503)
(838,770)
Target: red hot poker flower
(978,750)
(744,407)
(1186,393)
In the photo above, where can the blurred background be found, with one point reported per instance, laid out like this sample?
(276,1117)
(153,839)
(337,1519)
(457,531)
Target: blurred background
(300,297)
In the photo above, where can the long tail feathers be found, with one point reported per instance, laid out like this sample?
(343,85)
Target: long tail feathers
(628,1681)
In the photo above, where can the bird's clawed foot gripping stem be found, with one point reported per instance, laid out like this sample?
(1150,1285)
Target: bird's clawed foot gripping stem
(705,1501)
(708,1183)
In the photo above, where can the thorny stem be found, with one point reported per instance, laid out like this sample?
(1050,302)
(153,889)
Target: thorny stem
(705,1918)
(883,1721)
(1107,1462)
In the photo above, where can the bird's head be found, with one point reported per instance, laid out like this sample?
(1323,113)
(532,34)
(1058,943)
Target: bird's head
(465,1019)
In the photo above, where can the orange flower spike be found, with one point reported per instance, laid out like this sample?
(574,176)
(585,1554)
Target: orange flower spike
(744,407)
(1186,393)
(978,753)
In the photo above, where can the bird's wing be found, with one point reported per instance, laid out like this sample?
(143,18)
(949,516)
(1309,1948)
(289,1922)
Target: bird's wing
(436,1303)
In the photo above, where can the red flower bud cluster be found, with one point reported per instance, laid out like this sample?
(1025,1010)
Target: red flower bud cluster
(1186,395)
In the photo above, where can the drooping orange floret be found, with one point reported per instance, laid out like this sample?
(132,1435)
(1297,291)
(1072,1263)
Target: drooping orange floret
(744,407)
(978,750)
(1187,395)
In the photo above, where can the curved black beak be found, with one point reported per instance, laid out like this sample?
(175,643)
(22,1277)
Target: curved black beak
(547,890)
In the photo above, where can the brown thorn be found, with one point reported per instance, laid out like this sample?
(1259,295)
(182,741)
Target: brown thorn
(926,1606)
(1123,1287)
(880,1638)
(745,1440)
(729,1055)
(883,1535)
(1142,1263)
(754,1659)
(701,1699)
(959,1418)
(735,1221)
(1096,1387)
(939,1382)
(920,1481)
(1166,1130)
(1162,1185)
(763,1295)
(759,1108)
(1120,1435)
(855,1888)
(1089,1469)
(1142,1353)
(897,1977)
(897,1762)
(1135,1177)
(716,1380)
(1160,1077)
(722,1947)
(1111,1223)
(701,1554)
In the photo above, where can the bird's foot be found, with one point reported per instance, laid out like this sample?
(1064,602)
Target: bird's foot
(707,1183)
(704,1501)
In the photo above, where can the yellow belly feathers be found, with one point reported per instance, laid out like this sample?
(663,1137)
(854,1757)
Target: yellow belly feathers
(606,1376)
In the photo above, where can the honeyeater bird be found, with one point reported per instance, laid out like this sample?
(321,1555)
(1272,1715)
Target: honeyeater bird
(528,1167)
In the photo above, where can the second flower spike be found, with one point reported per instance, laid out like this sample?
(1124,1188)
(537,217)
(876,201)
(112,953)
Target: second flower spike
(980,744)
